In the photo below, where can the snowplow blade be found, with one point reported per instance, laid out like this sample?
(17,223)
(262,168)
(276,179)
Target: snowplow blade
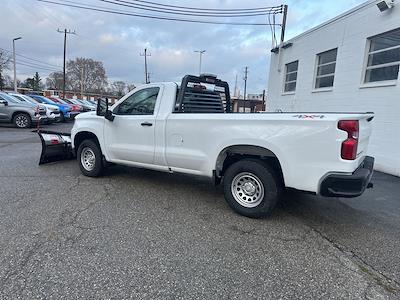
(55,146)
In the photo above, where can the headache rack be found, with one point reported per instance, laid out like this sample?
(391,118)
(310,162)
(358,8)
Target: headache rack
(195,95)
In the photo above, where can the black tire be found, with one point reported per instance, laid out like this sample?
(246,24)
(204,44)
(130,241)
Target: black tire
(22,120)
(62,118)
(249,176)
(89,147)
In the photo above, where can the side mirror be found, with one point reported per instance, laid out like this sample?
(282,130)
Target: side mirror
(109,115)
(3,102)
(102,109)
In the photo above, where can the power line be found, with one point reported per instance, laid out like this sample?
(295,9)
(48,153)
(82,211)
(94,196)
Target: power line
(193,13)
(33,59)
(77,5)
(205,9)
(35,67)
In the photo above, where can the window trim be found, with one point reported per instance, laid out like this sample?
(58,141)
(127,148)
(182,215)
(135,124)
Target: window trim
(290,81)
(316,76)
(381,83)
(156,107)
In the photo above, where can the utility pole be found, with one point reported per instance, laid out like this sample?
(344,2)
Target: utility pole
(264,105)
(201,52)
(15,64)
(285,10)
(246,71)
(82,76)
(65,31)
(235,90)
(146,74)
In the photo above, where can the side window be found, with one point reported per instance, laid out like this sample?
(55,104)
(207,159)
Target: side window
(326,64)
(139,103)
(291,76)
(383,57)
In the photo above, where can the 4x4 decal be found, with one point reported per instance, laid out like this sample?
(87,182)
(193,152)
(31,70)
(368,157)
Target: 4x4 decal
(312,117)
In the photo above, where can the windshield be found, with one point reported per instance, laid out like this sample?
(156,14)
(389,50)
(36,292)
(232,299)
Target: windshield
(9,98)
(30,99)
(65,101)
(25,98)
(42,99)
(81,102)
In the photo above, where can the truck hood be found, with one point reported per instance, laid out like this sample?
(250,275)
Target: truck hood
(86,115)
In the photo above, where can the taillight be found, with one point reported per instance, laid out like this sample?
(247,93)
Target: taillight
(349,146)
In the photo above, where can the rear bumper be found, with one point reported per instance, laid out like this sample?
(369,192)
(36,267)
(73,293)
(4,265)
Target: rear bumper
(348,186)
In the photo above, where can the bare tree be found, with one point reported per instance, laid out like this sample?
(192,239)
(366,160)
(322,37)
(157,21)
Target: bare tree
(55,81)
(130,86)
(119,88)
(5,61)
(86,74)
(8,82)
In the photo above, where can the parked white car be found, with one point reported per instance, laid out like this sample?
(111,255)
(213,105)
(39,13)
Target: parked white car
(190,129)
(52,111)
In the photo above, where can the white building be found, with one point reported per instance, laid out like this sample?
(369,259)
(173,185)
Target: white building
(350,63)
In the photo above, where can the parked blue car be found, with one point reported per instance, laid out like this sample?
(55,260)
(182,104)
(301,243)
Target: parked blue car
(64,109)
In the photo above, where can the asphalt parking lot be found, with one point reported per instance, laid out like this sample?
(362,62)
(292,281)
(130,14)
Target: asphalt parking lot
(141,234)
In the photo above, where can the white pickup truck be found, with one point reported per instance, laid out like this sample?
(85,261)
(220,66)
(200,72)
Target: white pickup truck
(190,129)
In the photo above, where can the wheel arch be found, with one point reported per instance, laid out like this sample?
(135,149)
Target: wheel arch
(20,112)
(85,135)
(234,153)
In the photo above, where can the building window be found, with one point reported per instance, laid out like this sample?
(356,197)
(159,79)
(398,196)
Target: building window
(291,76)
(383,57)
(326,64)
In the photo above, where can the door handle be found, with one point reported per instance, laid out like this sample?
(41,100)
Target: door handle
(147,124)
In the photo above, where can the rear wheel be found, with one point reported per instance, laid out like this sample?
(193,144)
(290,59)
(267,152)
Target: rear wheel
(90,158)
(22,120)
(252,188)
(62,118)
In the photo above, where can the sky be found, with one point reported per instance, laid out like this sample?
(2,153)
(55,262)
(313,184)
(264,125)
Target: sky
(118,40)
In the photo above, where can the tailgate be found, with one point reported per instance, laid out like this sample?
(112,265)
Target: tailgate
(365,127)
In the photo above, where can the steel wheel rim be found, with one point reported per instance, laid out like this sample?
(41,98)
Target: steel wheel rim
(247,189)
(88,159)
(21,121)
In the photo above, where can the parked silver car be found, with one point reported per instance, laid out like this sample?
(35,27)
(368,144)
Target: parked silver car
(22,115)
(52,111)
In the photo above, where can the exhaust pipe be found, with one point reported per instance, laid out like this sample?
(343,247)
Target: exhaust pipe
(55,146)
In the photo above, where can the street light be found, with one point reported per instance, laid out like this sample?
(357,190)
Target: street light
(201,52)
(15,68)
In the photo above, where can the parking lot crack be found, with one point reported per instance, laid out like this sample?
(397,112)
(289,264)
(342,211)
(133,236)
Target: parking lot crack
(71,218)
(20,265)
(388,284)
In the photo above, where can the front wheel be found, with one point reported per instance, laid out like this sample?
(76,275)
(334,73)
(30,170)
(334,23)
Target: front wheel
(90,158)
(252,188)
(22,120)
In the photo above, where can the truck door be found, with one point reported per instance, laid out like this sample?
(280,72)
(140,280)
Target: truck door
(131,136)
